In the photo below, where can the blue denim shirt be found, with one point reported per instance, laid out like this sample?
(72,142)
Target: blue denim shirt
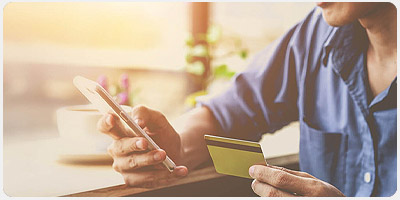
(316,74)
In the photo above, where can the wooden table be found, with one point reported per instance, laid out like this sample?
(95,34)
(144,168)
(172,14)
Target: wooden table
(34,168)
(199,175)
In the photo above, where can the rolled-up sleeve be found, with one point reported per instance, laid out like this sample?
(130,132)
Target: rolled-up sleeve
(263,98)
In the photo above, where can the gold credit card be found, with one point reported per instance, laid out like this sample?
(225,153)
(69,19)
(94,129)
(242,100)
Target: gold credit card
(232,156)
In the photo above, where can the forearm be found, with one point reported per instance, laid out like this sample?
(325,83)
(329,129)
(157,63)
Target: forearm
(192,127)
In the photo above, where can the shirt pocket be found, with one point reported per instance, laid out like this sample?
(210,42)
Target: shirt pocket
(323,154)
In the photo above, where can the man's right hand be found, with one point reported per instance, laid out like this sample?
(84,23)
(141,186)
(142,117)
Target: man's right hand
(138,165)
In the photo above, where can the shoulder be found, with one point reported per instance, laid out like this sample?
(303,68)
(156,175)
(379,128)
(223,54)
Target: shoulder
(312,32)
(304,39)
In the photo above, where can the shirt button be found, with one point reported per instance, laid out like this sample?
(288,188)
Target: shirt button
(367,177)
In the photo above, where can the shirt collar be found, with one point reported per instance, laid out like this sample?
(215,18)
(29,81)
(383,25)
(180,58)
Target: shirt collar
(345,43)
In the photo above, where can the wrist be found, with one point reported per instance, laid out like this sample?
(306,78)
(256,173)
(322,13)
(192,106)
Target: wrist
(181,153)
(194,151)
(183,157)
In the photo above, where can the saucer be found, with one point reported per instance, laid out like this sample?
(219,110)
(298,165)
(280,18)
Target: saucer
(81,153)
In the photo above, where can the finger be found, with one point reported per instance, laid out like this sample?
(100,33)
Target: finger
(138,160)
(127,145)
(265,190)
(297,173)
(180,171)
(282,180)
(152,178)
(110,124)
(159,166)
(150,119)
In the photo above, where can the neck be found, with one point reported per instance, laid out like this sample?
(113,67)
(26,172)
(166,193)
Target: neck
(381,28)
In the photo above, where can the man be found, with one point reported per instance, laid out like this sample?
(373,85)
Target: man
(335,72)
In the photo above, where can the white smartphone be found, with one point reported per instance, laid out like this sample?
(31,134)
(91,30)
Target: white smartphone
(103,101)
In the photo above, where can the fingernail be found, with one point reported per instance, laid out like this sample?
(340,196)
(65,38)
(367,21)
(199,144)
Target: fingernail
(251,171)
(252,184)
(139,122)
(108,120)
(157,156)
(139,144)
(181,171)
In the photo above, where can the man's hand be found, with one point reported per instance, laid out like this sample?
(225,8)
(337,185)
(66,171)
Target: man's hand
(280,182)
(138,165)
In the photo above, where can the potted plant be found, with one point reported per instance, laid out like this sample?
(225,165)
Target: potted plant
(210,49)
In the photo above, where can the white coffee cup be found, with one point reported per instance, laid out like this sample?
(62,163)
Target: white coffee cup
(77,126)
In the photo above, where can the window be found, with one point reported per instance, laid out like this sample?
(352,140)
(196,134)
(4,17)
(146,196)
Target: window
(46,44)
(97,34)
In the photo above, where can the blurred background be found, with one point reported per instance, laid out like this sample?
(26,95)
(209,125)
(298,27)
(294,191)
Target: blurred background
(169,53)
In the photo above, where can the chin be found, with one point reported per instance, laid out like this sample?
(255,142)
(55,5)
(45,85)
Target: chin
(336,20)
(342,13)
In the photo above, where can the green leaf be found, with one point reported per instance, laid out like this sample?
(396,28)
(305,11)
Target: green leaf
(189,41)
(189,58)
(222,71)
(196,68)
(213,34)
(200,50)
(191,99)
(243,53)
(134,96)
(113,89)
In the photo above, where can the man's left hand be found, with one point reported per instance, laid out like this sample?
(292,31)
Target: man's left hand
(280,182)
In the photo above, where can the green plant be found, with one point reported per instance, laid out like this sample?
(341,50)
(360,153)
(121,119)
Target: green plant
(204,46)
